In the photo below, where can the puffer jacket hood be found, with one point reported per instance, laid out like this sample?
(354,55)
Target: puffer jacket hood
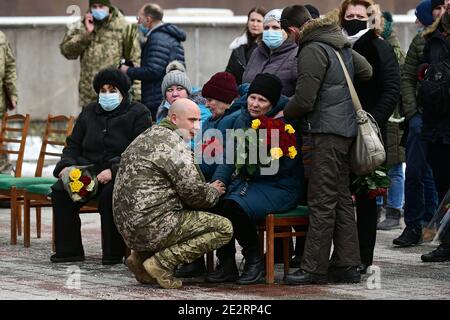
(172,30)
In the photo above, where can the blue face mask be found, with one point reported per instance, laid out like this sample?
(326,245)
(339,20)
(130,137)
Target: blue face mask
(143,29)
(273,39)
(99,14)
(109,101)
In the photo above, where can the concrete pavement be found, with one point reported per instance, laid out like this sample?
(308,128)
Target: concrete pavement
(27,273)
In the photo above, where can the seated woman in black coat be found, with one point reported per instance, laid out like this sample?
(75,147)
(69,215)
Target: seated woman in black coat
(103,131)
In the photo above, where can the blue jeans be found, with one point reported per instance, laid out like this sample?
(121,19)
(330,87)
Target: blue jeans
(421,200)
(396,191)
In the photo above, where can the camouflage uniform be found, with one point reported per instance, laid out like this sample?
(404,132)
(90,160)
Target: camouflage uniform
(102,48)
(8,80)
(156,188)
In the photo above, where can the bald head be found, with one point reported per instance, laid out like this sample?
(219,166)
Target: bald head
(185,114)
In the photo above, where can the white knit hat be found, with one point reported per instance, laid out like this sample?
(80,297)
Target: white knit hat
(274,14)
(176,75)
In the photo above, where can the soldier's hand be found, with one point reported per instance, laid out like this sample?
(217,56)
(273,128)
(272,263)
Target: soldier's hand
(219,186)
(89,22)
(124,68)
(13,104)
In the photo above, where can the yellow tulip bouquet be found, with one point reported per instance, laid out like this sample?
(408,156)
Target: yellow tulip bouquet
(80,183)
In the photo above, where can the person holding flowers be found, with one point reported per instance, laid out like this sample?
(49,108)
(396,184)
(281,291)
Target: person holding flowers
(253,191)
(103,131)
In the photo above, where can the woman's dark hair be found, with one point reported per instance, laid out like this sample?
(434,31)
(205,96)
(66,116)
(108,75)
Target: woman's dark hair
(259,10)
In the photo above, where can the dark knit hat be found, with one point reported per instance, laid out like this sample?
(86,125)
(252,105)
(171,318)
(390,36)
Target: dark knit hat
(104,2)
(313,11)
(423,13)
(222,86)
(436,3)
(267,85)
(114,77)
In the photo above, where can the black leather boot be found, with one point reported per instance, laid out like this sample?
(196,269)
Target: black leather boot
(194,269)
(253,268)
(226,271)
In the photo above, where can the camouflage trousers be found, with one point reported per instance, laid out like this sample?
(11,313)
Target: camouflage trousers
(198,233)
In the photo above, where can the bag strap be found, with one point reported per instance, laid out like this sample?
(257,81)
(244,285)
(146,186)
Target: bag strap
(355,98)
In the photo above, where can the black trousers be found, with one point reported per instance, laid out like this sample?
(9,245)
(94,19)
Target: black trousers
(67,223)
(439,159)
(366,221)
(244,230)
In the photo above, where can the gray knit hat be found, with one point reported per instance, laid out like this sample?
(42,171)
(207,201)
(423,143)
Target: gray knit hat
(176,75)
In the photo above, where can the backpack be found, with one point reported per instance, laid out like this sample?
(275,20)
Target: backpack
(434,92)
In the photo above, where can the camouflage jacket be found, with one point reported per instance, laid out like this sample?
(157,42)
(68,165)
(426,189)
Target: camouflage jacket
(104,47)
(156,181)
(8,77)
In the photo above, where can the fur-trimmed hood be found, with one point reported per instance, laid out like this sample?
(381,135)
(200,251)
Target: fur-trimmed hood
(325,30)
(432,28)
(239,41)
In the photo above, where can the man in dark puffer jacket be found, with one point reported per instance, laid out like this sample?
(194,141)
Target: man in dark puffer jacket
(163,45)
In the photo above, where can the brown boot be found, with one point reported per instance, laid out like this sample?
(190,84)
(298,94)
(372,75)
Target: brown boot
(162,275)
(134,264)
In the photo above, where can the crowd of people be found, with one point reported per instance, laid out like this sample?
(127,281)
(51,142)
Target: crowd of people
(145,130)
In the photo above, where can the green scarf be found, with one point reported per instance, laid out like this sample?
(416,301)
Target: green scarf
(166,123)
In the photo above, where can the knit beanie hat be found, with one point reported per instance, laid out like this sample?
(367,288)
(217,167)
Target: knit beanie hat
(267,85)
(274,14)
(424,13)
(222,86)
(114,77)
(388,25)
(436,3)
(103,2)
(176,76)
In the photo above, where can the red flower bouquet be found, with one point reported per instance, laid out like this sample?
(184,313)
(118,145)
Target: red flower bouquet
(373,184)
(266,140)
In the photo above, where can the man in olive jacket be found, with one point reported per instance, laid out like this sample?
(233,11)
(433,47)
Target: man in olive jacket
(323,101)
(157,194)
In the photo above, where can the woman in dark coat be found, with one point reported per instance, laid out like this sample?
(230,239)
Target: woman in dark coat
(103,131)
(244,45)
(378,96)
(249,200)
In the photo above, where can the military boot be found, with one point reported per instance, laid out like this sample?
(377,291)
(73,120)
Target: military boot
(392,220)
(163,276)
(134,264)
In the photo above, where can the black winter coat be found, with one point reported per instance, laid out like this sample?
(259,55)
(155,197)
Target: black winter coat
(163,46)
(379,96)
(238,60)
(436,128)
(99,137)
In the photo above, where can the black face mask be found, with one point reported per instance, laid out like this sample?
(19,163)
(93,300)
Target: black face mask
(354,26)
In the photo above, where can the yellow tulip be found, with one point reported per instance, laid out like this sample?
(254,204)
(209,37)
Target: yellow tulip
(256,123)
(276,153)
(76,186)
(292,152)
(289,129)
(75,174)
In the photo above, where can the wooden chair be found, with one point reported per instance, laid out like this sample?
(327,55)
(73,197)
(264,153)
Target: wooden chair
(14,132)
(14,187)
(280,225)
